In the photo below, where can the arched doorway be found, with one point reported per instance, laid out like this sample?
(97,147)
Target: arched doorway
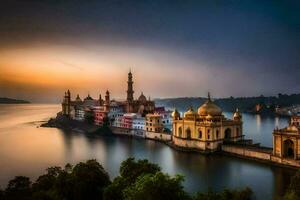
(188,133)
(227,133)
(288,146)
(180,132)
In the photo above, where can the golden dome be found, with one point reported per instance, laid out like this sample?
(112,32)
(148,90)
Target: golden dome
(209,108)
(175,113)
(189,112)
(237,114)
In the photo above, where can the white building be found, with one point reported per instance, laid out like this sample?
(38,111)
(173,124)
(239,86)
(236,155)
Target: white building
(138,123)
(79,113)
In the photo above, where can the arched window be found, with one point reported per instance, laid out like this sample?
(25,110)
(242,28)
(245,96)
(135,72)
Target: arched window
(288,148)
(180,131)
(188,133)
(217,134)
(237,131)
(199,133)
(227,133)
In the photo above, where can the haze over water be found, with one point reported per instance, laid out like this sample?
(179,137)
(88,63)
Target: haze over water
(28,150)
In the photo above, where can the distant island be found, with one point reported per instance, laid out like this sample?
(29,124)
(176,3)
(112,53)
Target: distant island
(5,100)
(282,104)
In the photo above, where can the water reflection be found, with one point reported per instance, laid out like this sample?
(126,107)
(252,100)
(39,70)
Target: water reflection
(28,150)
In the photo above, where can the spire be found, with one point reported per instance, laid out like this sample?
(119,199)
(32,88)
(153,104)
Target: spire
(208,96)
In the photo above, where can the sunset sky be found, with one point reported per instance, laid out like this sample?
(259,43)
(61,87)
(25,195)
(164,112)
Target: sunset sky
(174,48)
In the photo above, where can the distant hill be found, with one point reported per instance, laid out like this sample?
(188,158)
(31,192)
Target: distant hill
(260,104)
(5,100)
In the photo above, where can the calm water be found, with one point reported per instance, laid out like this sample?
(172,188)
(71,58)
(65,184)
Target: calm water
(28,150)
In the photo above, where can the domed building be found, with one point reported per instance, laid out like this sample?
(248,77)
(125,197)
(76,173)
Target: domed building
(207,128)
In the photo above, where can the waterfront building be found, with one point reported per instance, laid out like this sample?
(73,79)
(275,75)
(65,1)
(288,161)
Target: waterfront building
(128,119)
(73,109)
(286,141)
(100,114)
(154,123)
(205,129)
(138,123)
(79,113)
(116,109)
(117,121)
(166,117)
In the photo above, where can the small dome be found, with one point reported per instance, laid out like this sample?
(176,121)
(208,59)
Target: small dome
(142,98)
(175,114)
(237,114)
(209,108)
(189,112)
(88,97)
(78,98)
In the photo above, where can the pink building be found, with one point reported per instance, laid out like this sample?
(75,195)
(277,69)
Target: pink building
(100,114)
(128,119)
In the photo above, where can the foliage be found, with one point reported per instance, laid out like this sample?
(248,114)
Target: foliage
(130,170)
(138,180)
(156,186)
(18,188)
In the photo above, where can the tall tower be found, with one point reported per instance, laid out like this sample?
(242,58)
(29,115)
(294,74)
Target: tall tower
(130,88)
(66,105)
(107,101)
(100,100)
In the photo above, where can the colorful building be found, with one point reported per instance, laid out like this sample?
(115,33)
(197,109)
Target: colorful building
(154,123)
(166,117)
(206,129)
(100,115)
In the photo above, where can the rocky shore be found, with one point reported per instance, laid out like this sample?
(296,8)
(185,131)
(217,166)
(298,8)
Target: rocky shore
(67,124)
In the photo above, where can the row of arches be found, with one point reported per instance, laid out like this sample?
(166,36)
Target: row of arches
(227,133)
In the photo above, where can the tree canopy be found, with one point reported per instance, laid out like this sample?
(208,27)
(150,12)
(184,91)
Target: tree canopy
(138,180)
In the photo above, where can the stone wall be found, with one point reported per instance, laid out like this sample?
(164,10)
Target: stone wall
(259,153)
(158,136)
(128,132)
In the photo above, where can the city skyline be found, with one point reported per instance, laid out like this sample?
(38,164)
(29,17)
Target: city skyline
(174,50)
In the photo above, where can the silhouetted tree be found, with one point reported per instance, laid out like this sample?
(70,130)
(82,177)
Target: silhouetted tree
(18,188)
(157,186)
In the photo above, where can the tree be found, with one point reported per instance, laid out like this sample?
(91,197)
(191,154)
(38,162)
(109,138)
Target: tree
(157,186)
(89,180)
(1,194)
(130,170)
(18,188)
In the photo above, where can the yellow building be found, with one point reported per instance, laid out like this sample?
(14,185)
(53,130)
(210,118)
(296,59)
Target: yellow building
(205,129)
(286,141)
(154,123)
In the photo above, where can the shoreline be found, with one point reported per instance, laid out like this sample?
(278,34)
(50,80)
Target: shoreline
(66,124)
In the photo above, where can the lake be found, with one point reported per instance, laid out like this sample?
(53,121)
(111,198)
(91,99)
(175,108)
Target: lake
(27,149)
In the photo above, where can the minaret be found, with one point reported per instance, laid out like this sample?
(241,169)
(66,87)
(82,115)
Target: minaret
(100,100)
(107,101)
(130,88)
(66,105)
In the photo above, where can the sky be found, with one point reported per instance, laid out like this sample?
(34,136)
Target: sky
(174,48)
